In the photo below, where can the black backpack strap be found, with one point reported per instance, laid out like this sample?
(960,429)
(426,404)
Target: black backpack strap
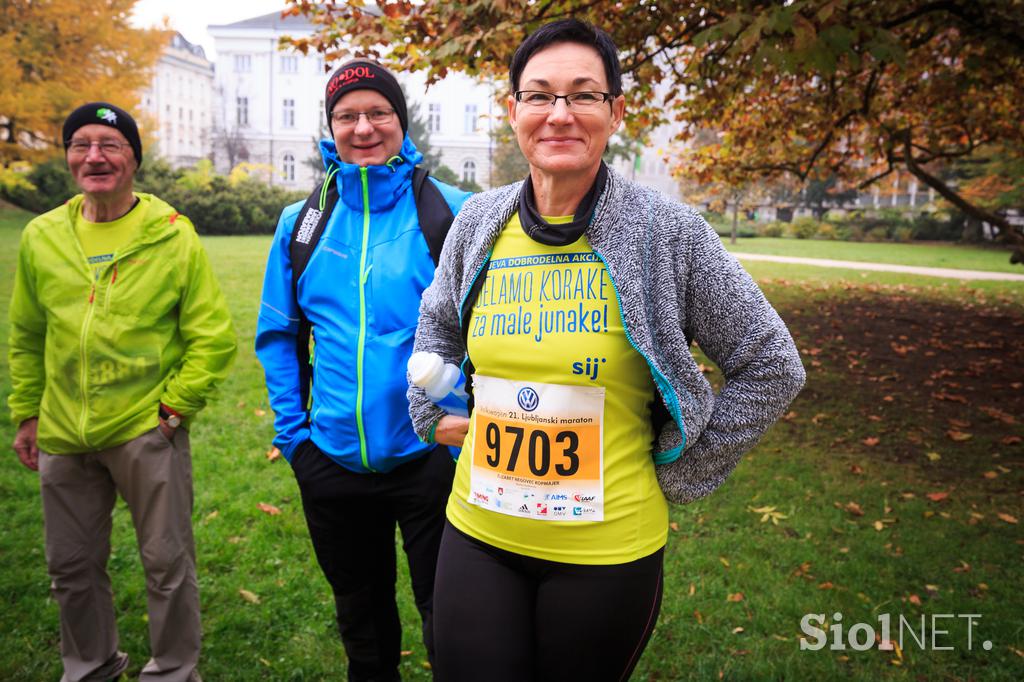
(434,213)
(309,227)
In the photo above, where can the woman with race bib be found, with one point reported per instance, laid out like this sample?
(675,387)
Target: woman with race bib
(573,297)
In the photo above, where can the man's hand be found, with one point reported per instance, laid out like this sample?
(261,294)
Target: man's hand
(25,443)
(166,429)
(451,430)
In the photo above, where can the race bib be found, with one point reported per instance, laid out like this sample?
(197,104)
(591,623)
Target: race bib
(538,450)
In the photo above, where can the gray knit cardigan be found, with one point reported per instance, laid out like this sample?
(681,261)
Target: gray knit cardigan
(674,280)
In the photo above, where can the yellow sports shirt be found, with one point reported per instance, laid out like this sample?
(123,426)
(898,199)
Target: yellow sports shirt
(101,241)
(557,462)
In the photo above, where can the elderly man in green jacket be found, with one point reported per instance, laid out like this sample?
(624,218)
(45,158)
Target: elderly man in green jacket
(119,333)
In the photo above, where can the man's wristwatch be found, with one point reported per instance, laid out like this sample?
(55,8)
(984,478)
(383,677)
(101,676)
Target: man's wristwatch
(172,418)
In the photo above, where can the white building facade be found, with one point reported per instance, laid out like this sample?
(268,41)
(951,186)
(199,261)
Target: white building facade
(180,102)
(271,106)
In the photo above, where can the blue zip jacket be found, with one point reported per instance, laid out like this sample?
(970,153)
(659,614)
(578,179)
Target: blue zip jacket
(361,291)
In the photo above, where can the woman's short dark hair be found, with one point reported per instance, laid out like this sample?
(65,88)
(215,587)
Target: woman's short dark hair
(569,31)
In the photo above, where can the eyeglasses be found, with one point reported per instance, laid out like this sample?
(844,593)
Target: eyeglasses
(377,117)
(543,100)
(107,147)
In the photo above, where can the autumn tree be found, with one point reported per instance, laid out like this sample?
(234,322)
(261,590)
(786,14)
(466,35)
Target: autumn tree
(855,89)
(55,56)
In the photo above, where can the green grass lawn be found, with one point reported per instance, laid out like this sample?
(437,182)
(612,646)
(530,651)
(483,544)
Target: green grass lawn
(829,514)
(993,258)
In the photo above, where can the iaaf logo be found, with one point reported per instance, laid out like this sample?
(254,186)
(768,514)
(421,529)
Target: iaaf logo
(583,498)
(347,76)
(480,497)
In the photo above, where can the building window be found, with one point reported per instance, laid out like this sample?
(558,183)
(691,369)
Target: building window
(242,110)
(288,167)
(434,117)
(469,122)
(289,64)
(288,119)
(243,63)
(469,171)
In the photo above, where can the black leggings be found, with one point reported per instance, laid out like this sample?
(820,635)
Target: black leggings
(503,616)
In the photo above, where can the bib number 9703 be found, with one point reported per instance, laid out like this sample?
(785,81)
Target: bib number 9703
(505,447)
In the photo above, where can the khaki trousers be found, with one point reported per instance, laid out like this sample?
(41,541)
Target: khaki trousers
(154,476)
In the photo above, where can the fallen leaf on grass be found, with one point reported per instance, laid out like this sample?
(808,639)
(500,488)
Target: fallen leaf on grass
(933,456)
(1011,440)
(768,513)
(406,652)
(990,474)
(1017,651)
(248,596)
(674,526)
(268,508)
(998,414)
(950,397)
(705,369)
(914,599)
(854,509)
(735,597)
(878,525)
(272,454)
(265,662)
(871,441)
(737,631)
(700,618)
(854,469)
(211,516)
(789,416)
(818,418)
(260,412)
(937,497)
(725,562)
(958,436)
(693,589)
(1006,517)
(825,585)
(959,423)
(964,567)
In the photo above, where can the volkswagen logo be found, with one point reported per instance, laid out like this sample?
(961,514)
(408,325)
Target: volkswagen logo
(528,399)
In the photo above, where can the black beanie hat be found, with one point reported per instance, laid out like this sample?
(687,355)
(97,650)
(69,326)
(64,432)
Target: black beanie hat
(106,114)
(360,74)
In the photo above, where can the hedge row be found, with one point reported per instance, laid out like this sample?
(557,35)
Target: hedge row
(216,205)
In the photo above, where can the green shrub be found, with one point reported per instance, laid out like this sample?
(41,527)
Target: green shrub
(827,231)
(774,230)
(879,233)
(903,234)
(50,185)
(804,228)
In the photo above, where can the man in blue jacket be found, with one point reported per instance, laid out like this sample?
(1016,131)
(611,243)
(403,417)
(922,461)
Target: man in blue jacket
(359,465)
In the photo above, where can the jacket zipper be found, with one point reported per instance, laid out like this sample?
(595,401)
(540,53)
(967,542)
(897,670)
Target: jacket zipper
(83,372)
(360,348)
(663,384)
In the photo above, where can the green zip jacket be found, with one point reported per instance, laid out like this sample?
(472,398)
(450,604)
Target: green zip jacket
(93,355)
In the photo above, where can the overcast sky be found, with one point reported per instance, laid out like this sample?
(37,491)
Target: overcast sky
(191,17)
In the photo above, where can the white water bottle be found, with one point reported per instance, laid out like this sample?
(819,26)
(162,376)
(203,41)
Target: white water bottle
(443,382)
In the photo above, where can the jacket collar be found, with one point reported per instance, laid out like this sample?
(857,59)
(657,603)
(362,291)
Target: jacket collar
(385,184)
